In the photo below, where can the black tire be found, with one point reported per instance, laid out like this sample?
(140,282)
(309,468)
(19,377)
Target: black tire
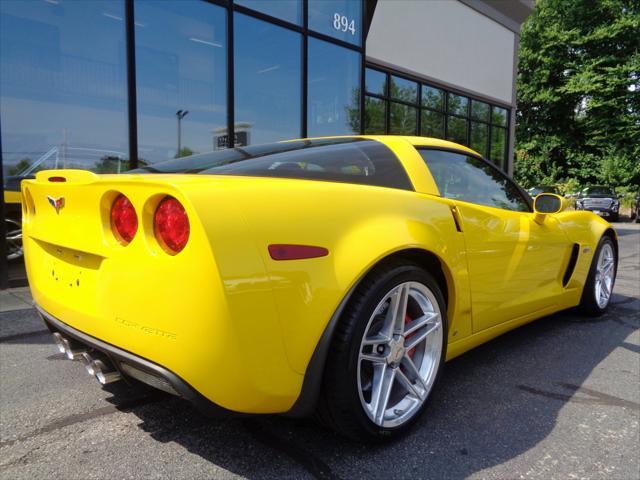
(588,303)
(339,406)
(615,217)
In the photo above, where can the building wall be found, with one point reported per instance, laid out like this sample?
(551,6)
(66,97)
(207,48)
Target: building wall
(107,85)
(447,41)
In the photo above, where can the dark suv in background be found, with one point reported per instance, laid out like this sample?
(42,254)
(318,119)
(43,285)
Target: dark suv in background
(600,200)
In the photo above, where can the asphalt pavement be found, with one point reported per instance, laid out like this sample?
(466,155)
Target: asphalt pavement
(558,398)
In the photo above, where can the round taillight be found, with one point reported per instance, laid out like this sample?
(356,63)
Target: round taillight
(171,225)
(124,221)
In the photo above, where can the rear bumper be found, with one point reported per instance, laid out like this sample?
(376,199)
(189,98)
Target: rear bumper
(119,356)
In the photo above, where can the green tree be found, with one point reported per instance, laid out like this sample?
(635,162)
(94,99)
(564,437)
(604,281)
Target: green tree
(402,118)
(184,152)
(579,92)
(111,164)
(19,167)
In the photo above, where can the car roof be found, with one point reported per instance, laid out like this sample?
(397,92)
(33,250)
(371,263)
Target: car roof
(413,140)
(438,143)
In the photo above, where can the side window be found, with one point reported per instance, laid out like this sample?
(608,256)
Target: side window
(461,177)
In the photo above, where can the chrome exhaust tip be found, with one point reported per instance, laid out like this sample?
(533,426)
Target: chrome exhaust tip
(61,342)
(104,373)
(75,353)
(87,361)
(72,350)
(100,367)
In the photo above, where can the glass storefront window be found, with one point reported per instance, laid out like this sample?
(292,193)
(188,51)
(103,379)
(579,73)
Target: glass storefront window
(443,114)
(333,106)
(376,81)
(375,112)
(479,110)
(403,119)
(498,145)
(341,19)
(458,104)
(180,67)
(432,97)
(63,101)
(457,130)
(287,10)
(403,89)
(267,81)
(499,116)
(479,137)
(432,124)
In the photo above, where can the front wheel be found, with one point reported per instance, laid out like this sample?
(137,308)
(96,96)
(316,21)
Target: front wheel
(602,276)
(386,355)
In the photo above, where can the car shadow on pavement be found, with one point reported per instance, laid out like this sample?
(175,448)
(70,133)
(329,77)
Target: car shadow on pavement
(494,403)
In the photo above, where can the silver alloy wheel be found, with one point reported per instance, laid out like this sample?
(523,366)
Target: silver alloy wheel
(400,354)
(605,271)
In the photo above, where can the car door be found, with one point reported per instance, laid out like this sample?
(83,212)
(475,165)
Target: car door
(515,265)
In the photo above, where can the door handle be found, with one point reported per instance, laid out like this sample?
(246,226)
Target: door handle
(456,218)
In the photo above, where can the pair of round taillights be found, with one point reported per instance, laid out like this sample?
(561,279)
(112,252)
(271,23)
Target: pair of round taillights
(170,223)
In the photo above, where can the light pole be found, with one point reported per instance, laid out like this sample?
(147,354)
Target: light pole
(180,114)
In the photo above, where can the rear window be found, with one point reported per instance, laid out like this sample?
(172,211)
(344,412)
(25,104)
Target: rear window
(347,160)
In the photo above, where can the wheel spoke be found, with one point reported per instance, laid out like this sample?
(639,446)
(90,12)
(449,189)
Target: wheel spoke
(376,340)
(372,357)
(394,320)
(408,363)
(382,393)
(607,270)
(416,339)
(426,319)
(605,288)
(410,387)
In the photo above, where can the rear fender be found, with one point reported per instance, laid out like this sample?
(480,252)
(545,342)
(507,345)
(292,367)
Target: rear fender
(358,251)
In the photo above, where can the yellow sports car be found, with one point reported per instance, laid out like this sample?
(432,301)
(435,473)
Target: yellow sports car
(333,275)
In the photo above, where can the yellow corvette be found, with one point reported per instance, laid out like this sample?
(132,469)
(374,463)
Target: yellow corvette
(333,275)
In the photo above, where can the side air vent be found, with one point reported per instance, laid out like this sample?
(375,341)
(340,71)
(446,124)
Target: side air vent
(575,250)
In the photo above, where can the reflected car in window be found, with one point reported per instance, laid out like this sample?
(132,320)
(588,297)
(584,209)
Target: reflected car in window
(329,275)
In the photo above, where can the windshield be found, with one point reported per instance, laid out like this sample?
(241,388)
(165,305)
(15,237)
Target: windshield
(348,160)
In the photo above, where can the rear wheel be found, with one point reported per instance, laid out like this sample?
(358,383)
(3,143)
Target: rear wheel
(386,355)
(602,276)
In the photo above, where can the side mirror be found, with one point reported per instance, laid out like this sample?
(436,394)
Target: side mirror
(545,204)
